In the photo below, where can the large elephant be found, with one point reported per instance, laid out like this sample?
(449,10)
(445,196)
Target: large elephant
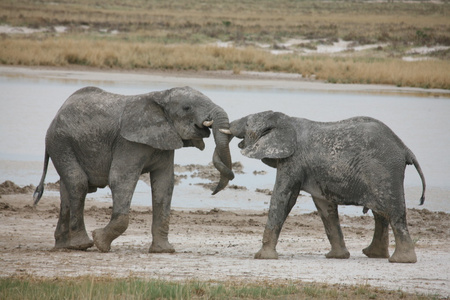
(100,139)
(358,161)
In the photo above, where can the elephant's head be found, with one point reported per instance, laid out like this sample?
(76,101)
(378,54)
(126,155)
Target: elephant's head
(179,117)
(265,135)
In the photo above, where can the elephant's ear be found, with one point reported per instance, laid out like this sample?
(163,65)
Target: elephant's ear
(278,141)
(143,121)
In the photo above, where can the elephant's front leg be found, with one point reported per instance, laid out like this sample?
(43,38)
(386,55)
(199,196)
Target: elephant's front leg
(283,198)
(162,181)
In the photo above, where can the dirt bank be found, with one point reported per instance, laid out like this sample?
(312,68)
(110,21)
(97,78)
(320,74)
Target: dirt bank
(219,245)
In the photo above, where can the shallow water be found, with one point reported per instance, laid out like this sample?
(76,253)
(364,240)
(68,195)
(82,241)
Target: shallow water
(29,103)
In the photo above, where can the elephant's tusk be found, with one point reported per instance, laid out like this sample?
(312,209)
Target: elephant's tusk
(208,123)
(226,131)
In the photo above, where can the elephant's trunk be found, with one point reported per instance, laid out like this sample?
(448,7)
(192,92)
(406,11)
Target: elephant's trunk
(222,156)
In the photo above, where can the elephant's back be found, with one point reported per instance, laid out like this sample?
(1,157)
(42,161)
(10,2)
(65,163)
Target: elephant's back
(362,133)
(92,100)
(90,108)
(377,136)
(361,144)
(90,117)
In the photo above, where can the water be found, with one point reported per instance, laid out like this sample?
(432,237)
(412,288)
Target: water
(30,101)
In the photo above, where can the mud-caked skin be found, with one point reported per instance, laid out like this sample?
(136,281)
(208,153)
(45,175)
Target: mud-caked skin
(100,139)
(358,161)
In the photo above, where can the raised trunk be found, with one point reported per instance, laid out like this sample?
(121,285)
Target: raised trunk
(221,157)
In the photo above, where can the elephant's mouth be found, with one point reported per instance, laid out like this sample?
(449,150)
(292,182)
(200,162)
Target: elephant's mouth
(202,132)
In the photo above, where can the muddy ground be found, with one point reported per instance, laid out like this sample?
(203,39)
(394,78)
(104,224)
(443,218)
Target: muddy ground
(219,245)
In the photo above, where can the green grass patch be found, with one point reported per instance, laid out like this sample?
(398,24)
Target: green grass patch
(134,288)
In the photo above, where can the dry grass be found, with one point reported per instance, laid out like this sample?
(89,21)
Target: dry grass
(147,55)
(175,35)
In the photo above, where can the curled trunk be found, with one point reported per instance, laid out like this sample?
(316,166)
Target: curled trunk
(222,156)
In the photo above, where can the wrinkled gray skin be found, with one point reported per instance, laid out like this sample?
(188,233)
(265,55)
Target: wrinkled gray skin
(358,161)
(99,138)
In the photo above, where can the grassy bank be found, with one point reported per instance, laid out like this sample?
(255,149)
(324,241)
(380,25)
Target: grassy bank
(182,35)
(116,55)
(107,288)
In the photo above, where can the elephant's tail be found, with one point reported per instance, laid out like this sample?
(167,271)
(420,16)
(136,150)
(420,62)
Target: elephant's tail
(414,161)
(40,188)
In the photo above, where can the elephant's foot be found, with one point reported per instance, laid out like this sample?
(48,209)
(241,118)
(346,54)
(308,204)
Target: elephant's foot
(376,251)
(338,253)
(103,237)
(161,247)
(77,241)
(403,256)
(101,240)
(60,246)
(266,253)
(81,246)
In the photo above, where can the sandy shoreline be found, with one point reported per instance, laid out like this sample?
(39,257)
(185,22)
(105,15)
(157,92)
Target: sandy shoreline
(219,246)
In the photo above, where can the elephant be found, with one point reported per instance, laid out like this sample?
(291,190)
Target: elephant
(357,161)
(100,139)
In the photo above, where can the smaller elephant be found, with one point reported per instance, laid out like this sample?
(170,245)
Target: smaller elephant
(358,161)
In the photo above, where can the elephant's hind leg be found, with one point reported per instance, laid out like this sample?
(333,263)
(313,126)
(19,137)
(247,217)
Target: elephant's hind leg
(329,214)
(71,231)
(404,246)
(379,248)
(62,228)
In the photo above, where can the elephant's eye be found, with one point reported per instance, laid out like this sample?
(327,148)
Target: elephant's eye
(186,108)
